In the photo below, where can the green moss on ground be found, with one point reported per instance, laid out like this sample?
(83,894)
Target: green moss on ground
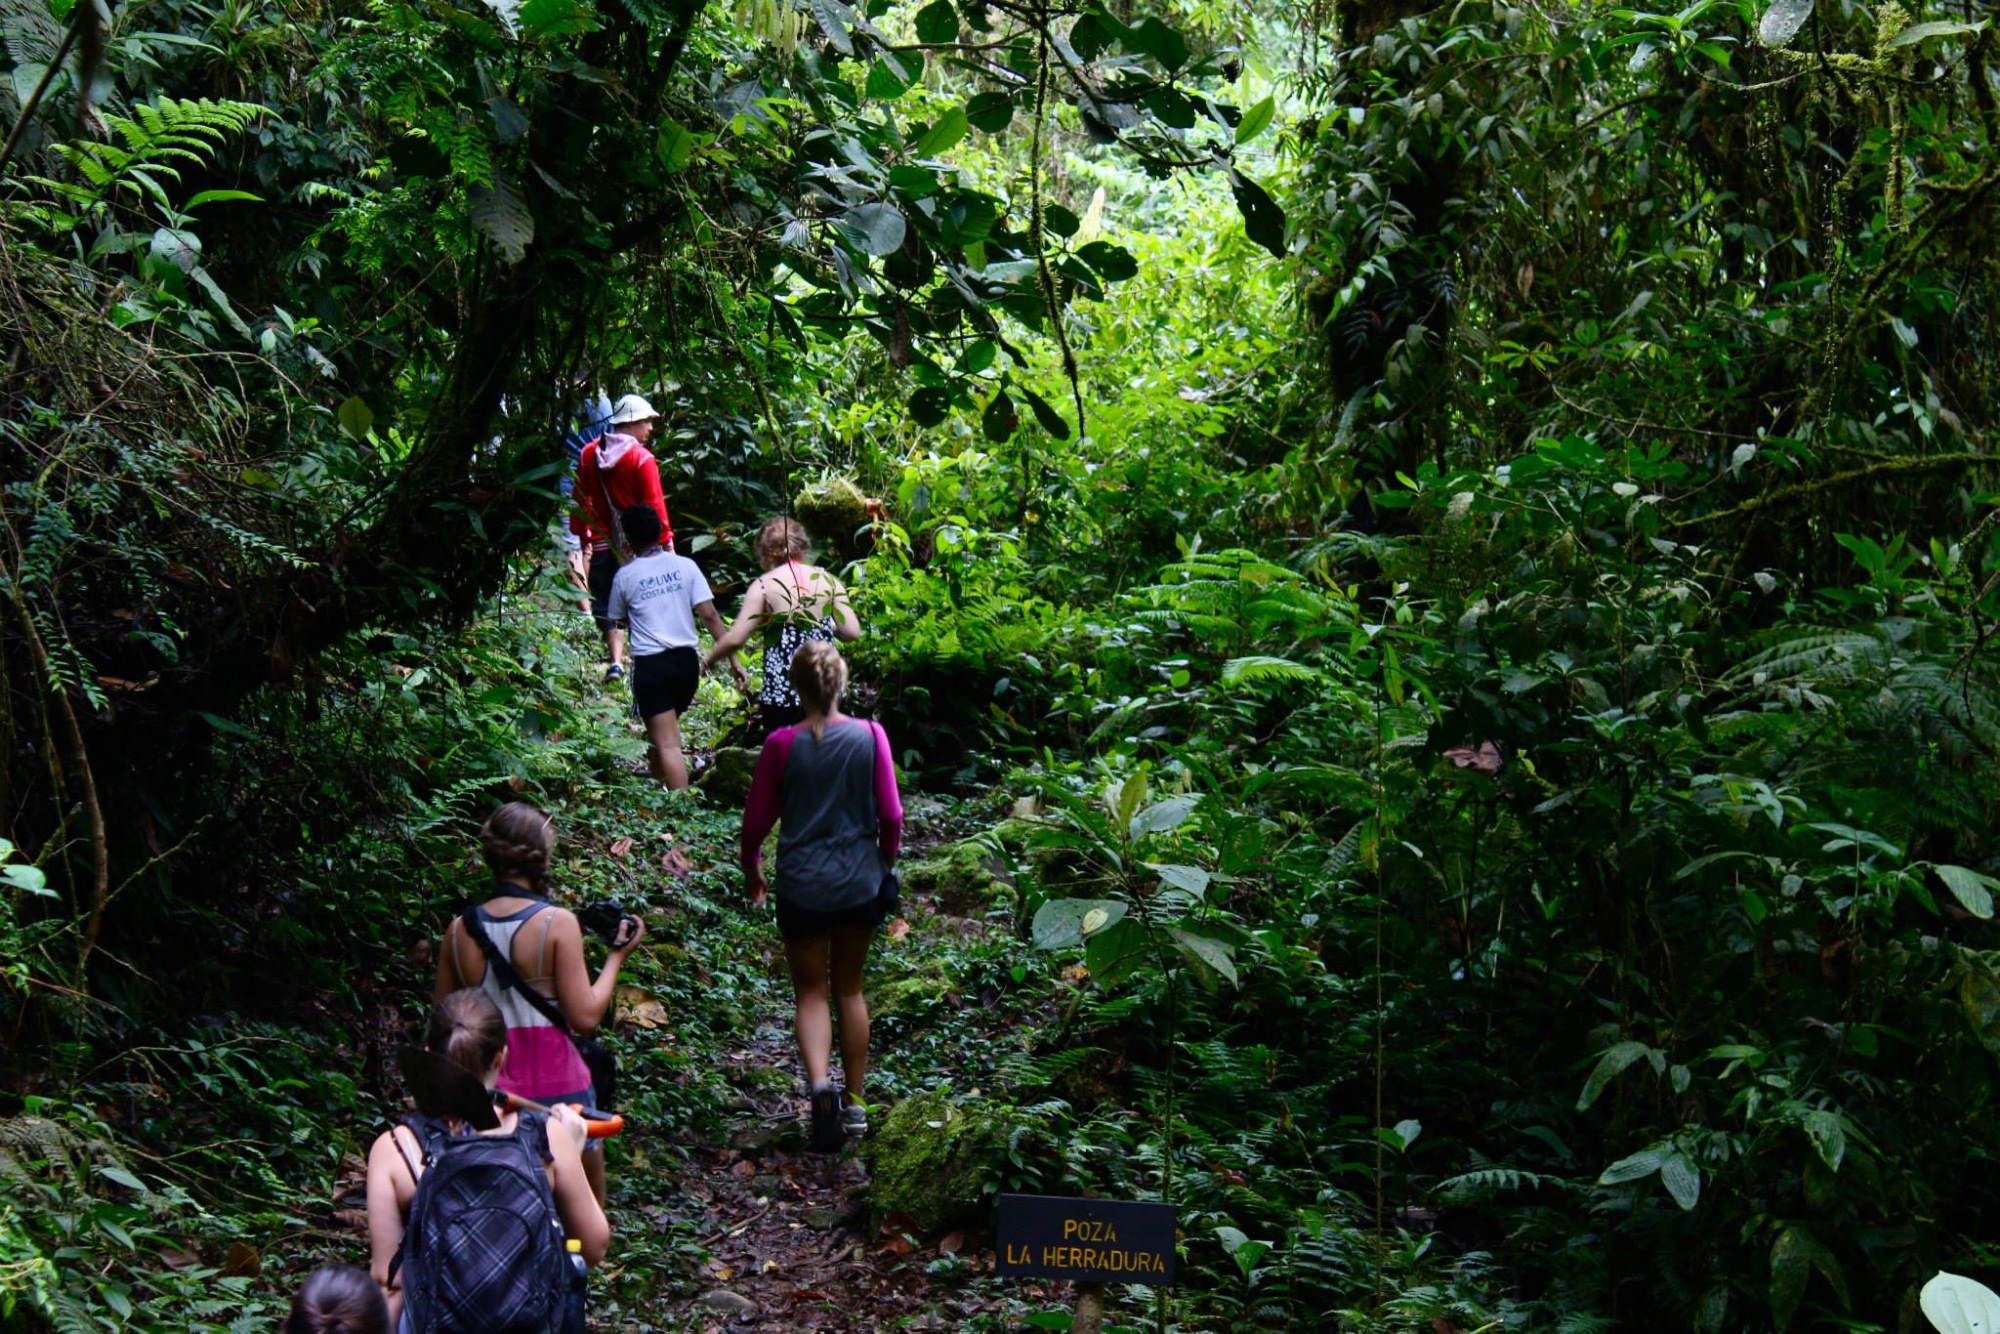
(960,877)
(931,1157)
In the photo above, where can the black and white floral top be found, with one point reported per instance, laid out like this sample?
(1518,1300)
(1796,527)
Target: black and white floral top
(777,692)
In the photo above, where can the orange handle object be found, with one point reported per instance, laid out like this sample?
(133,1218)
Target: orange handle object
(596,1124)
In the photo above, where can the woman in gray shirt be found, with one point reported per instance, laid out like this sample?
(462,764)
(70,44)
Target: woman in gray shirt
(829,785)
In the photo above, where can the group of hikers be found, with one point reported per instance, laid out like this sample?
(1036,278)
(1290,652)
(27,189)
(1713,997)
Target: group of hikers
(487,1212)
(647,597)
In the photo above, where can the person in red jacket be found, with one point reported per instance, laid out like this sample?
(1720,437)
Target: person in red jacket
(616,472)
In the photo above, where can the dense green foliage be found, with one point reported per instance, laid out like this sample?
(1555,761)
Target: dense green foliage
(1455,681)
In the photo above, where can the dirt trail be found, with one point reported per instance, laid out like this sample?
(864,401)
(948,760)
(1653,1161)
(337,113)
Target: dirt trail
(789,1234)
(792,1246)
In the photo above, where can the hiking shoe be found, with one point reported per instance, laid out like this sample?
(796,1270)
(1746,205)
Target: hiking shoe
(614,672)
(854,1120)
(827,1135)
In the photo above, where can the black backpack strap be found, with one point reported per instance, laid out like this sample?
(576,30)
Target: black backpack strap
(510,976)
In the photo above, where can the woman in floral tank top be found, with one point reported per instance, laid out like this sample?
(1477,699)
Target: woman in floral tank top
(793,603)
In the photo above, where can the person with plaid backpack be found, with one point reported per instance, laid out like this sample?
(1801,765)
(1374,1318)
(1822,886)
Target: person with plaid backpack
(467,1228)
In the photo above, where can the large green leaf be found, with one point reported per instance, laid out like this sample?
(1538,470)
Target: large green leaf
(1064,924)
(1828,1136)
(836,20)
(893,74)
(1113,263)
(1609,1066)
(1163,816)
(875,229)
(1151,37)
(930,405)
(1634,1167)
(1263,220)
(1790,1272)
(946,131)
(1973,891)
(1960,1305)
(1000,419)
(1047,417)
(1211,958)
(937,23)
(1682,1179)
(991,112)
(1256,120)
(1782,21)
(1923,32)
(1190,880)
(1117,952)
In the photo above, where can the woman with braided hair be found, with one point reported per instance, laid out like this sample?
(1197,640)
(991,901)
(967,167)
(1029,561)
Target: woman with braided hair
(829,785)
(544,944)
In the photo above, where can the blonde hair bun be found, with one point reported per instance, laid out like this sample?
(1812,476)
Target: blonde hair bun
(819,674)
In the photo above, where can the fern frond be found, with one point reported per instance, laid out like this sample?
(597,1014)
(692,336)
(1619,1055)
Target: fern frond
(1251,670)
(1488,1181)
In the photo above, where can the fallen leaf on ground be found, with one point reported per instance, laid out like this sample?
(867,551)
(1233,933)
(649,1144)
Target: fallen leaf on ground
(637,1006)
(898,929)
(621,847)
(178,1259)
(894,1246)
(746,1168)
(242,1261)
(952,1244)
(676,864)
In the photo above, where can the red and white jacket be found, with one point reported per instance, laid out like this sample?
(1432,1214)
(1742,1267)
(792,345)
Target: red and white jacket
(621,468)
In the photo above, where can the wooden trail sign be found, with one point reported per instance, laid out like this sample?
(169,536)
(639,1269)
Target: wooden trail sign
(1092,1241)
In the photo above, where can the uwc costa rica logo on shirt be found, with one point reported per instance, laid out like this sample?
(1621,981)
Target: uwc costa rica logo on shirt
(1102,1241)
(649,586)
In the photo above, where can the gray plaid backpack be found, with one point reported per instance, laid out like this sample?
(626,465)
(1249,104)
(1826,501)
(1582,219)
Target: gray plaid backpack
(483,1252)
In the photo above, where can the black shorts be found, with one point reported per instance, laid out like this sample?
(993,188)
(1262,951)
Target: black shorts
(603,569)
(665,682)
(796,923)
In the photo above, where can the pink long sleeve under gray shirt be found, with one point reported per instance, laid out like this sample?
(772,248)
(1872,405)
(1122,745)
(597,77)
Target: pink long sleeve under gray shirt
(838,812)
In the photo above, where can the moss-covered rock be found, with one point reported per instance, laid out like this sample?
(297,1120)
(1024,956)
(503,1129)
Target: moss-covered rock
(931,1157)
(960,877)
(727,782)
(908,996)
(833,509)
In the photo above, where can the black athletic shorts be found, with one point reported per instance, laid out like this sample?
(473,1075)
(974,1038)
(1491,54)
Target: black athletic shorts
(603,569)
(665,682)
(796,923)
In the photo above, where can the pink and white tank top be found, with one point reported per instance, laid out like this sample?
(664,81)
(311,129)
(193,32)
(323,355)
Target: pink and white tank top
(542,1061)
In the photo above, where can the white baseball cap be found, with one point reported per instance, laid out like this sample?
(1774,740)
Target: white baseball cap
(631,408)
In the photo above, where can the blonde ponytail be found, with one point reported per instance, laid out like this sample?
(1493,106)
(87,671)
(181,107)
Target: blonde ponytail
(819,674)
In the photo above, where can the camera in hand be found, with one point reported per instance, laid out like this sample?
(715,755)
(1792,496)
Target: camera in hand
(605,919)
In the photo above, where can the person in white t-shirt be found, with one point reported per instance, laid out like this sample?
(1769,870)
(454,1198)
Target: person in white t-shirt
(660,595)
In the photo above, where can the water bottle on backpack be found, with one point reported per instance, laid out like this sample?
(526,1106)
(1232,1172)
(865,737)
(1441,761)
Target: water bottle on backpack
(575,1310)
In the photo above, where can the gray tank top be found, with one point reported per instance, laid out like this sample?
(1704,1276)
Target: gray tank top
(828,858)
